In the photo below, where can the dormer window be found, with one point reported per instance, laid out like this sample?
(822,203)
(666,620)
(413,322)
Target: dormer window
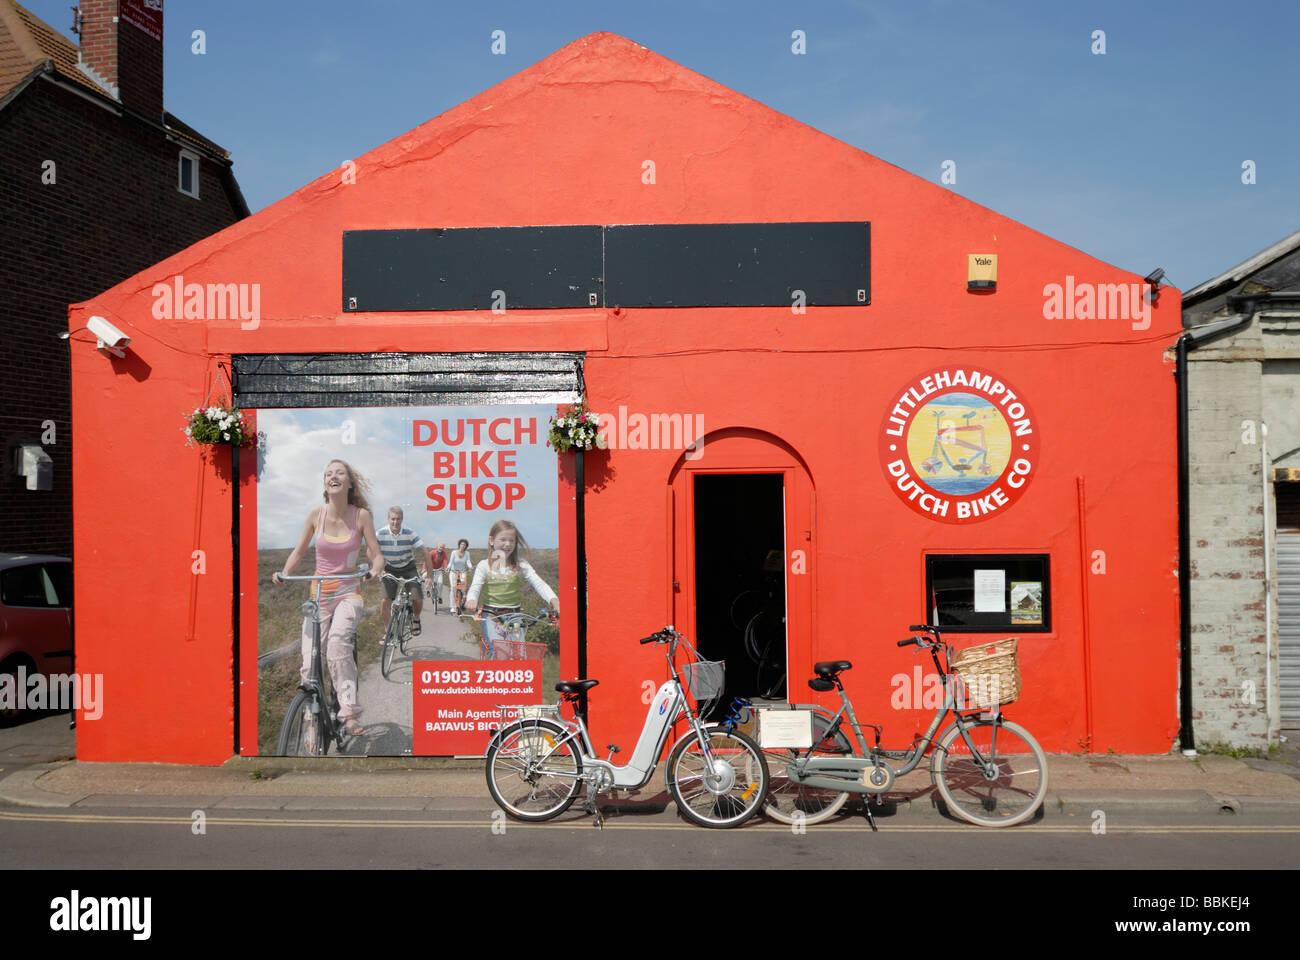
(187,181)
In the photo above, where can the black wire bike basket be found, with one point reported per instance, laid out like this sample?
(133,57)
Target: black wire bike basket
(705,680)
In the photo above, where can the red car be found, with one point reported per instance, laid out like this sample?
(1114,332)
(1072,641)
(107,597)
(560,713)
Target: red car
(35,620)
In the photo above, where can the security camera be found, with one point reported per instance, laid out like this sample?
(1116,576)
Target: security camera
(109,337)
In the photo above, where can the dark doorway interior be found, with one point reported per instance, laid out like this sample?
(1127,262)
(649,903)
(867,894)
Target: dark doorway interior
(740,580)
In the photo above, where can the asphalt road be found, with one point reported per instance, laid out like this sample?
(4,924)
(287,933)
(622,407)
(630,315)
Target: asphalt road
(483,838)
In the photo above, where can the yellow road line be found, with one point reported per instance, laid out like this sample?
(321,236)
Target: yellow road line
(617,825)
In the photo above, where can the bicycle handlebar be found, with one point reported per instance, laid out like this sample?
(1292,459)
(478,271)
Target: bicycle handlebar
(360,573)
(392,576)
(543,613)
(663,636)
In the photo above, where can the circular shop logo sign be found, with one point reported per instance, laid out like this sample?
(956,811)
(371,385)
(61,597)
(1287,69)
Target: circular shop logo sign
(960,445)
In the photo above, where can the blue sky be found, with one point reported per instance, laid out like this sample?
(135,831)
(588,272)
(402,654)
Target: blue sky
(1134,156)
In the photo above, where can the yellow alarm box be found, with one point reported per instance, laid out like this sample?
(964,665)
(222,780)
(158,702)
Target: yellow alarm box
(982,271)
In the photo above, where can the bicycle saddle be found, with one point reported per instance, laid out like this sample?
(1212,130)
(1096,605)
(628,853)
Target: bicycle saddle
(828,668)
(575,686)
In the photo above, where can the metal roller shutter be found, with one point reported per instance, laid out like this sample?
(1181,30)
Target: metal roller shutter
(267,381)
(1288,603)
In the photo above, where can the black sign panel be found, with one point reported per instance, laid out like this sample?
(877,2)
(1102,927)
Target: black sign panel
(474,268)
(738,264)
(637,265)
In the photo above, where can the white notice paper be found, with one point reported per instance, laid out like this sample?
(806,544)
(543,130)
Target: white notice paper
(990,591)
(785,728)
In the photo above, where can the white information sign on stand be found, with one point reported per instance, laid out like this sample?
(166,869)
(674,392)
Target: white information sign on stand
(990,591)
(785,728)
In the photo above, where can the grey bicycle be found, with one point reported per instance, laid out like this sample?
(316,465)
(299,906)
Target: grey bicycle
(988,770)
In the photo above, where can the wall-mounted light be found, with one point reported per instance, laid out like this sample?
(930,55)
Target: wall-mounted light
(982,271)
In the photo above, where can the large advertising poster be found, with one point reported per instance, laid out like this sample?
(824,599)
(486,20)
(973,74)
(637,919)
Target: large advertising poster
(461,502)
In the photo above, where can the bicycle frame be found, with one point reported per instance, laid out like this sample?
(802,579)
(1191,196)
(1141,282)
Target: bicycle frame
(667,706)
(403,592)
(850,773)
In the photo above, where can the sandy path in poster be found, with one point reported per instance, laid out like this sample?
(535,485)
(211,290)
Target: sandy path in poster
(387,703)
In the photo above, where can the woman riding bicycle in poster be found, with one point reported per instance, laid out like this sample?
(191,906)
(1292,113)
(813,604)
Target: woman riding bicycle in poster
(339,526)
(459,564)
(499,580)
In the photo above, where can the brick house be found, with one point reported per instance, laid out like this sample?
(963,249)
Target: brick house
(97,181)
(1244,475)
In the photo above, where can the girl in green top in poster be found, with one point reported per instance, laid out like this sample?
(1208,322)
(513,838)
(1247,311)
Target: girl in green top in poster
(498,581)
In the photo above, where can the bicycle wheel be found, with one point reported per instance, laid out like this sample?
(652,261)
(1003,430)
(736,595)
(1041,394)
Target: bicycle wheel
(303,732)
(533,773)
(790,802)
(726,793)
(404,629)
(765,644)
(390,645)
(1001,787)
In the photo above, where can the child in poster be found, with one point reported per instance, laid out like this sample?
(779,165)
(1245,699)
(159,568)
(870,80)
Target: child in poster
(499,580)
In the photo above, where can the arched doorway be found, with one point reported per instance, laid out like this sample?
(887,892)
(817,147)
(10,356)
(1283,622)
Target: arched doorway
(743,529)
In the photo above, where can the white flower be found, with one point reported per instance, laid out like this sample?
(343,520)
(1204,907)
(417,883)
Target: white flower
(225,436)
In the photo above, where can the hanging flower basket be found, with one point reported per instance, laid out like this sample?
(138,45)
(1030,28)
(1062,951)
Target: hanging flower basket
(575,428)
(220,425)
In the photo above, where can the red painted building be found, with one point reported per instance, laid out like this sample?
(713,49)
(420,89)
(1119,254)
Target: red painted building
(1005,453)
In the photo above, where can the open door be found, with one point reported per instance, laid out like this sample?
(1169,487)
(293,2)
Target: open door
(742,524)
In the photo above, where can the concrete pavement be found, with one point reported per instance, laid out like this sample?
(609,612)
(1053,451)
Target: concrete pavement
(37,769)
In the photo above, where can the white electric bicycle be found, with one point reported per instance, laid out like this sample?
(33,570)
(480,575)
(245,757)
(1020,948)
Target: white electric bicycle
(717,777)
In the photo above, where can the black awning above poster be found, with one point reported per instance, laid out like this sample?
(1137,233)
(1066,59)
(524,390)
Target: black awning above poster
(635,265)
(266,381)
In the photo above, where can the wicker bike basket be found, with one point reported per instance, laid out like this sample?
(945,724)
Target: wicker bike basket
(989,673)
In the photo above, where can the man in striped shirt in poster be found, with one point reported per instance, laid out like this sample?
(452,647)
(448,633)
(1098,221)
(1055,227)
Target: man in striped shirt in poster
(400,547)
